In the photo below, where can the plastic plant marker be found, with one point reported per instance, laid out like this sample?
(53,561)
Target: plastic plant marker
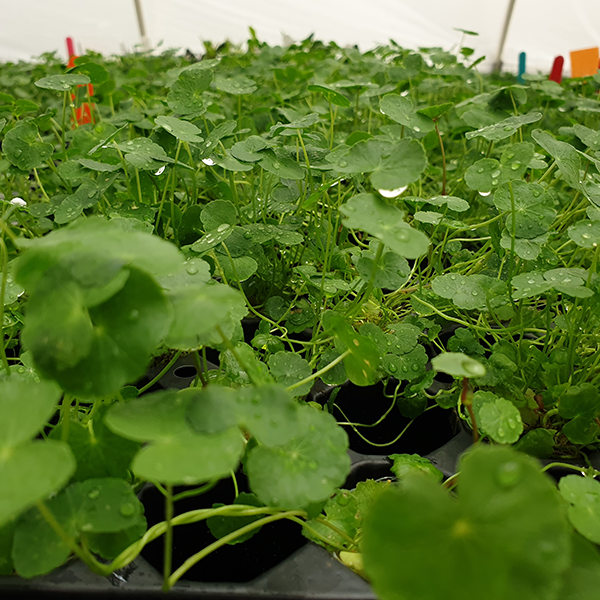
(522,66)
(584,63)
(557,69)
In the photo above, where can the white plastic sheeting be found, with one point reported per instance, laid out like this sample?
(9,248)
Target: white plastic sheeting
(541,28)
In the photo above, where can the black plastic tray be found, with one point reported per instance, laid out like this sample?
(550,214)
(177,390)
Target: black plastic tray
(310,573)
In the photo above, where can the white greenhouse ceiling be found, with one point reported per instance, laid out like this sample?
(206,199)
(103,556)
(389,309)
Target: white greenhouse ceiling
(542,30)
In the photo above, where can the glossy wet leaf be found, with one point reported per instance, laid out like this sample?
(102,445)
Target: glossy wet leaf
(407,366)
(190,273)
(435,112)
(190,459)
(570,281)
(391,272)
(506,529)
(497,417)
(583,496)
(291,128)
(537,442)
(483,175)
(25,409)
(212,409)
(565,155)
(464,291)
(285,168)
(237,85)
(177,455)
(220,526)
(182,130)
(95,350)
(457,364)
(48,464)
(580,404)
(199,310)
(96,72)
(95,165)
(330,94)
(452,202)
(98,451)
(248,150)
(185,96)
(212,238)
(515,160)
(24,149)
(103,505)
(62,83)
(385,222)
(590,137)
(534,213)
(527,249)
(585,233)
(288,368)
(405,464)
(582,579)
(391,166)
(306,469)
(362,362)
(504,129)
(401,109)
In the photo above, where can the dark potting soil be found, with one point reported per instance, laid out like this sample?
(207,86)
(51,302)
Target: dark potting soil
(229,564)
(365,405)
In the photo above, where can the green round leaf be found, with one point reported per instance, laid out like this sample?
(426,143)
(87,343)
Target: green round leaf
(62,83)
(182,130)
(585,233)
(237,85)
(185,96)
(288,368)
(401,109)
(507,531)
(458,364)
(24,149)
(464,291)
(330,94)
(48,465)
(385,222)
(405,464)
(25,408)
(497,417)
(583,496)
(306,469)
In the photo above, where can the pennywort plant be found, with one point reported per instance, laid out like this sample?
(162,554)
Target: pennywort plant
(295,215)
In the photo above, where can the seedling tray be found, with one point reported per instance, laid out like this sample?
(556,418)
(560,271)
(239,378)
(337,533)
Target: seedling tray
(308,572)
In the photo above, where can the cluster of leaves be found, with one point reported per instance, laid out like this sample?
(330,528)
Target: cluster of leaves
(356,205)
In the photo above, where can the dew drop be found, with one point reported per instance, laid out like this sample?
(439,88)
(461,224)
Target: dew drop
(134,314)
(480,170)
(494,182)
(208,161)
(223,227)
(276,165)
(507,128)
(94,494)
(127,509)
(495,174)
(392,193)
(130,143)
(160,171)
(484,193)
(247,235)
(392,368)
(509,474)
(417,129)
(343,163)
(474,293)
(192,270)
(515,165)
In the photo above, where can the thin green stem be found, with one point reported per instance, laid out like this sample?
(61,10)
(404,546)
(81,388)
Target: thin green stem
(160,375)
